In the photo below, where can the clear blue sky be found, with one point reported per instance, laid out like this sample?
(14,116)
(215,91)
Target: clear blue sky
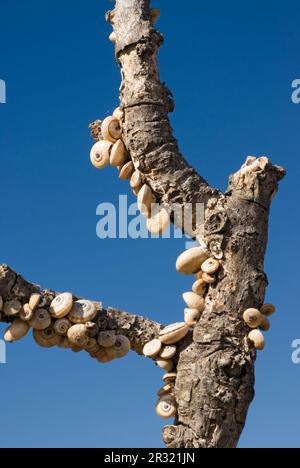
(230,66)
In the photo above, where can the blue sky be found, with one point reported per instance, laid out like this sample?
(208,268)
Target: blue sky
(230,66)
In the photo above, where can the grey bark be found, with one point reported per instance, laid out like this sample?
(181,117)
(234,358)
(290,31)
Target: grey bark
(215,365)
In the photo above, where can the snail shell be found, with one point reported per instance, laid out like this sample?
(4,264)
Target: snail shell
(166,407)
(1,303)
(106,339)
(257,338)
(159,220)
(136,180)
(98,353)
(190,261)
(82,311)
(100,154)
(118,113)
(165,364)
(41,319)
(17,330)
(210,266)
(113,37)
(126,171)
(121,347)
(191,316)
(168,352)
(47,338)
(61,305)
(145,199)
(92,345)
(118,154)
(200,287)
(12,308)
(170,377)
(173,333)
(105,358)
(152,348)
(26,313)
(77,335)
(253,318)
(92,329)
(154,15)
(64,343)
(193,301)
(111,129)
(61,326)
(208,278)
(166,389)
(34,301)
(268,310)
(265,324)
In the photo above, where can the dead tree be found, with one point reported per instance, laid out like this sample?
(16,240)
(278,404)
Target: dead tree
(215,361)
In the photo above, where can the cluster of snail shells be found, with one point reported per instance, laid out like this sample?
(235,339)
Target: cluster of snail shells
(162,350)
(258,321)
(66,323)
(196,261)
(110,149)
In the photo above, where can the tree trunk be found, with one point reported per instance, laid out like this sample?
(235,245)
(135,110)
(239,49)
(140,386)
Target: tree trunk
(215,363)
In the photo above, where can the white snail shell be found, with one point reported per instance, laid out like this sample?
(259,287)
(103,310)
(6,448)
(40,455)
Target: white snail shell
(165,364)
(46,338)
(77,335)
(257,338)
(210,266)
(17,330)
(168,352)
(193,301)
(126,170)
(166,407)
(106,339)
(268,310)
(61,326)
(253,318)
(40,320)
(111,129)
(190,261)
(166,389)
(118,154)
(199,287)
(118,113)
(61,305)
(113,37)
(152,348)
(145,199)
(210,279)
(82,311)
(158,221)
(170,377)
(136,180)
(173,333)
(26,313)
(34,301)
(191,316)
(11,308)
(100,154)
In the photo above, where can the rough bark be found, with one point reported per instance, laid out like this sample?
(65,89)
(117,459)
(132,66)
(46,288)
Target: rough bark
(215,366)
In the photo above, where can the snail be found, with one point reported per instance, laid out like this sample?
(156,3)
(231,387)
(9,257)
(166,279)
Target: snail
(121,347)
(46,338)
(166,407)
(100,154)
(167,352)
(118,154)
(173,333)
(199,287)
(126,170)
(113,37)
(40,320)
(152,348)
(92,329)
(158,221)
(61,326)
(77,335)
(165,364)
(61,305)
(26,313)
(257,338)
(118,113)
(268,310)
(92,345)
(209,279)
(193,301)
(136,180)
(82,311)
(265,324)
(34,301)
(106,339)
(166,389)
(145,199)
(190,261)
(64,343)
(210,266)
(98,353)
(1,303)
(12,308)
(105,358)
(170,376)
(111,129)
(191,316)
(17,330)
(253,318)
